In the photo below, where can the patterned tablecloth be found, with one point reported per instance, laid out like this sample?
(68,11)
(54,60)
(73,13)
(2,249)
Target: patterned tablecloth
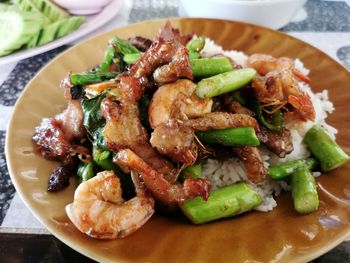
(324,24)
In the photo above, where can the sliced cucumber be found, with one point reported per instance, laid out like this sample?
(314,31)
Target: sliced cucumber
(28,6)
(49,33)
(52,11)
(70,24)
(16,29)
(56,30)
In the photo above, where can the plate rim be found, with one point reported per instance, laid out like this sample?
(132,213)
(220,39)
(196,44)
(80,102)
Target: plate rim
(89,253)
(18,55)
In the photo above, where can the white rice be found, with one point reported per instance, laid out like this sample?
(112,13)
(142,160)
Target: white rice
(211,49)
(222,173)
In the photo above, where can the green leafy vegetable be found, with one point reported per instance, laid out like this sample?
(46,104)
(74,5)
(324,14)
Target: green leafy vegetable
(143,111)
(91,77)
(85,171)
(94,122)
(276,122)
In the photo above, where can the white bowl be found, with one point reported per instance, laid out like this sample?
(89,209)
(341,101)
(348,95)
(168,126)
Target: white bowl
(84,7)
(270,13)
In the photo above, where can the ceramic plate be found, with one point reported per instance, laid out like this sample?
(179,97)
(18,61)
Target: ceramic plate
(92,23)
(281,235)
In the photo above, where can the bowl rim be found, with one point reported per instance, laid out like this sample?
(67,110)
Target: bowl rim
(250,2)
(63,237)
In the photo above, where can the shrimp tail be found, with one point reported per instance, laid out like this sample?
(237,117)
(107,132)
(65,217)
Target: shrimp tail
(303,105)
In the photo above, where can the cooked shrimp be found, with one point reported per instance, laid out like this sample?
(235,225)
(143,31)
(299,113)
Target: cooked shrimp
(264,64)
(302,103)
(167,98)
(156,183)
(278,84)
(99,210)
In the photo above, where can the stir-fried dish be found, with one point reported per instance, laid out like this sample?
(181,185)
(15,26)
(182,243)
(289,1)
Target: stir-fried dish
(144,128)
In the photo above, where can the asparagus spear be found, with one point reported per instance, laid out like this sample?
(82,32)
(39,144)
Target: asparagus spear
(205,67)
(132,58)
(223,202)
(230,136)
(91,77)
(304,191)
(193,171)
(194,46)
(86,171)
(283,170)
(224,82)
(123,46)
(201,67)
(325,148)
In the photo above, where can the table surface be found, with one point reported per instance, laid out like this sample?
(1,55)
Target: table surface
(324,24)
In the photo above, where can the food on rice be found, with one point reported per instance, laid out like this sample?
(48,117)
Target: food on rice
(182,122)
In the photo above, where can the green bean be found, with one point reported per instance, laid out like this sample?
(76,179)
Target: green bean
(223,202)
(91,77)
(230,136)
(283,170)
(193,171)
(304,191)
(224,82)
(206,67)
(326,150)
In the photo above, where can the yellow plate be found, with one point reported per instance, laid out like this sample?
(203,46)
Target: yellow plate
(281,235)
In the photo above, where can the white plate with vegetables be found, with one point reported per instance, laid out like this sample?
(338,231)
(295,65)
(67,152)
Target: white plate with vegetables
(31,27)
(104,98)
